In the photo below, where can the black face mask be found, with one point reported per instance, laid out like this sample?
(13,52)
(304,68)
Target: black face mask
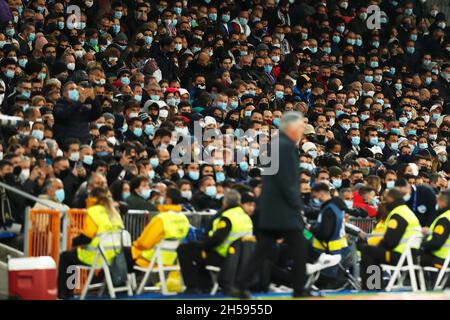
(314,74)
(50,59)
(405,158)
(10,177)
(186,114)
(175,177)
(345,183)
(63,174)
(321,138)
(233,123)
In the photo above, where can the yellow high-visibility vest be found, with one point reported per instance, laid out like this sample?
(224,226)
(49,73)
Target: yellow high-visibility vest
(176,227)
(412,229)
(100,216)
(241,225)
(442,252)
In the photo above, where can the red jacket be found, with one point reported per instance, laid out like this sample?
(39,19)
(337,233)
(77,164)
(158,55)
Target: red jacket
(358,202)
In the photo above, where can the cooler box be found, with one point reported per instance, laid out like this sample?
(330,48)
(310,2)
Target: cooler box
(32,278)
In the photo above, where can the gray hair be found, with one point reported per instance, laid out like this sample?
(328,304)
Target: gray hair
(289,118)
(232,198)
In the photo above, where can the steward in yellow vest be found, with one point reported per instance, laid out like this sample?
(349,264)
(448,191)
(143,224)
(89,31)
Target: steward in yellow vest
(170,224)
(101,218)
(436,246)
(401,224)
(231,224)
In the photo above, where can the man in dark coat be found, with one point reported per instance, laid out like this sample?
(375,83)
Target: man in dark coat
(280,210)
(73,113)
(163,57)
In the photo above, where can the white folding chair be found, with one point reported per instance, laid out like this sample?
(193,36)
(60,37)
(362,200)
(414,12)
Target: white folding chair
(214,271)
(106,239)
(442,273)
(406,266)
(164,245)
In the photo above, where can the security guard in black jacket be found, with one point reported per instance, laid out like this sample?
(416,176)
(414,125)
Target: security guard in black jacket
(420,199)
(436,246)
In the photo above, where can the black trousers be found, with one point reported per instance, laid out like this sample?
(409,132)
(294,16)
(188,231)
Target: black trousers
(266,239)
(375,256)
(193,259)
(70,258)
(428,260)
(66,259)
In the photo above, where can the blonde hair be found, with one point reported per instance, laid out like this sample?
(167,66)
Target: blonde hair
(104,198)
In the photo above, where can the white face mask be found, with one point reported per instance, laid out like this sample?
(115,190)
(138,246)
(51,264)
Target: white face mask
(2,97)
(1,155)
(74,156)
(24,175)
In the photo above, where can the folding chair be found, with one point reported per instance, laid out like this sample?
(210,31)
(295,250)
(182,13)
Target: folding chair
(406,266)
(106,239)
(214,271)
(164,245)
(442,273)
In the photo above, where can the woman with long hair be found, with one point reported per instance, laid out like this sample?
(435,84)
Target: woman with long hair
(101,217)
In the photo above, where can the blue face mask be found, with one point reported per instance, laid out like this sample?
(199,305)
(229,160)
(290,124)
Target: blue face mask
(394,146)
(222,105)
(118,14)
(26,94)
(313,153)
(177,10)
(220,176)
(137,132)
(267,68)
(9,74)
(368,78)
(225,18)
(195,175)
(364,117)
(10,32)
(148,40)
(212,16)
(276,122)
(337,183)
(149,130)
(125,80)
(412,132)
(403,120)
(413,37)
(373,140)
(243,165)
(31,36)
(381,145)
(211,191)
(125,195)
(61,25)
(38,134)
(93,42)
(116,28)
(23,63)
(154,162)
(423,146)
(279,95)
(356,141)
(87,159)
(395,130)
(60,195)
(359,42)
(145,194)
(74,95)
(346,127)
(374,64)
(339,113)
(234,104)
(155,97)
(410,50)
(376,44)
(355,125)
(336,39)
